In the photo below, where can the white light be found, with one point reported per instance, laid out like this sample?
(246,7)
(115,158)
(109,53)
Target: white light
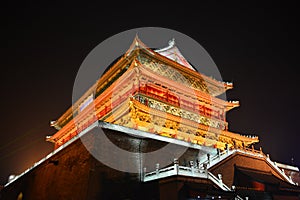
(11,177)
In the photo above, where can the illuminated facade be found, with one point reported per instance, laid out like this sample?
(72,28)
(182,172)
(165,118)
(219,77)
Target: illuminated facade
(157,92)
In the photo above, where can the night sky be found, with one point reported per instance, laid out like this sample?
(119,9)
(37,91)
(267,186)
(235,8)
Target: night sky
(43,45)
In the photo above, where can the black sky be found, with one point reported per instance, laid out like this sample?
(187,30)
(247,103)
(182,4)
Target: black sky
(43,45)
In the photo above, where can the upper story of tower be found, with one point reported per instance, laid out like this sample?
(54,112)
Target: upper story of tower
(161,85)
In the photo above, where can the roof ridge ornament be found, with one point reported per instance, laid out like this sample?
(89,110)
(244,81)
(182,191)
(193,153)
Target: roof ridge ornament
(172,42)
(136,43)
(136,38)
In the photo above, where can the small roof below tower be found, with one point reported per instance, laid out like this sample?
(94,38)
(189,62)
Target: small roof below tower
(173,53)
